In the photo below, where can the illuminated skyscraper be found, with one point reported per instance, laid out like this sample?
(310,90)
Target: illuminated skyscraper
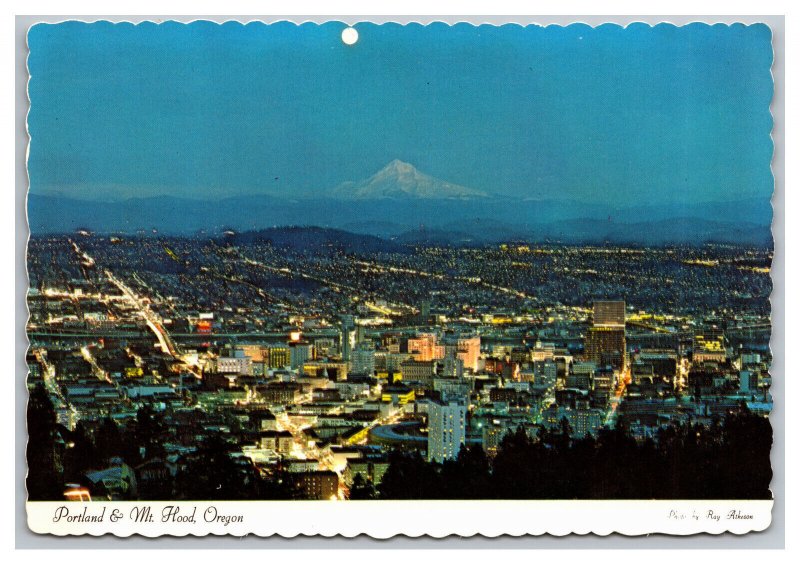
(447,429)
(425,348)
(362,359)
(469,350)
(278,357)
(709,345)
(605,346)
(347,336)
(609,314)
(605,340)
(299,353)
(492,434)
(452,367)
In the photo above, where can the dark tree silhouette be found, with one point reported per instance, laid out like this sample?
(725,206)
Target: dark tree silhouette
(745,464)
(362,489)
(80,454)
(467,477)
(149,433)
(727,460)
(211,473)
(277,486)
(44,480)
(410,477)
(108,441)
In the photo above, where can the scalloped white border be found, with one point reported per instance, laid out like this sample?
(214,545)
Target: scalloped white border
(439,519)
(385,519)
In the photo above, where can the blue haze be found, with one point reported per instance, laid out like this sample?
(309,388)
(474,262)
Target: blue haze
(623,117)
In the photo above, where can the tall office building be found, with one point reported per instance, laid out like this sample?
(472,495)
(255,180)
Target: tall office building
(425,348)
(422,371)
(492,435)
(236,363)
(447,429)
(299,353)
(453,367)
(469,351)
(605,346)
(605,340)
(362,359)
(277,357)
(609,314)
(347,336)
(545,372)
(709,345)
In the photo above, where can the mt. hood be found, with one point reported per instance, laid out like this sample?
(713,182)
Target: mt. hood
(399,180)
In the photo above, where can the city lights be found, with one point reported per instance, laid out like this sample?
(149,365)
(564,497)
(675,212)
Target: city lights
(311,368)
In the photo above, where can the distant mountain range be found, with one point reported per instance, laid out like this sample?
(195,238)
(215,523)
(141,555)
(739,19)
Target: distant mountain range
(407,206)
(399,180)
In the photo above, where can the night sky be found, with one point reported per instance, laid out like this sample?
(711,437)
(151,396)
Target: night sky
(639,115)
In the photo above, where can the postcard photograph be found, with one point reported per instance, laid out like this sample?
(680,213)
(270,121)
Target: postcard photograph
(332,278)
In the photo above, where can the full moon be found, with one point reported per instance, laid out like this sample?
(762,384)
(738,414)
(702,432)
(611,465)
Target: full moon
(349,36)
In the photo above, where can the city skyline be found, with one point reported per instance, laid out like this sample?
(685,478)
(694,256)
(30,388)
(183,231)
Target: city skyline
(281,262)
(316,371)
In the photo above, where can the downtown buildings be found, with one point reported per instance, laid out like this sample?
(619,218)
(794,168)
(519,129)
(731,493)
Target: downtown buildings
(338,379)
(447,423)
(605,339)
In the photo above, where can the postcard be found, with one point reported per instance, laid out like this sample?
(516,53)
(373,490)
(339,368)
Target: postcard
(380,278)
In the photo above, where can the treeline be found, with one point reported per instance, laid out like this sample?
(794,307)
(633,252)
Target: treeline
(728,460)
(57,456)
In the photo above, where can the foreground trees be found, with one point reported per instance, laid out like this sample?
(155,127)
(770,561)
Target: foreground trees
(45,472)
(57,456)
(729,460)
